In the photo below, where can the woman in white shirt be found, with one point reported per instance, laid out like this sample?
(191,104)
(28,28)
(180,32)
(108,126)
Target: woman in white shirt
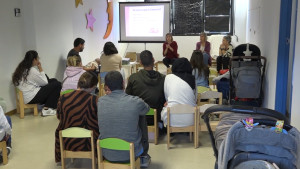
(30,78)
(179,88)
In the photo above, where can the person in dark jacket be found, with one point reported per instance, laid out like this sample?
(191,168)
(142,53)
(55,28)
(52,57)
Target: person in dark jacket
(148,84)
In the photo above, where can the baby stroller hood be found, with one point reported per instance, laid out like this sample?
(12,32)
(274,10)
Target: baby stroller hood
(283,148)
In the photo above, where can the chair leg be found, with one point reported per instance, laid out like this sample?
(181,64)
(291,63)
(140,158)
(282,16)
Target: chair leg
(191,136)
(156,136)
(22,112)
(138,164)
(93,162)
(35,110)
(168,139)
(4,152)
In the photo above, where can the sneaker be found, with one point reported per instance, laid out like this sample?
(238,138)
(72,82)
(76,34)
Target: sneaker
(8,150)
(48,112)
(145,161)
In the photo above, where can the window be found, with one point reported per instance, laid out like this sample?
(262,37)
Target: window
(191,17)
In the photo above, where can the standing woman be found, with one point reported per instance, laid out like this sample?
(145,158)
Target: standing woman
(110,60)
(169,50)
(204,47)
(30,78)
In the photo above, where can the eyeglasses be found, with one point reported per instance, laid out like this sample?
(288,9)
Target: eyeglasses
(223,49)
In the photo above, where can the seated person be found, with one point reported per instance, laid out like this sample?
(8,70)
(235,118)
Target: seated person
(199,66)
(122,116)
(5,132)
(225,53)
(37,88)
(72,73)
(78,109)
(148,84)
(110,60)
(93,65)
(170,48)
(204,47)
(179,88)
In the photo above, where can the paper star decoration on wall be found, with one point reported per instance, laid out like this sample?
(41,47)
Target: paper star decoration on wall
(90,20)
(77,2)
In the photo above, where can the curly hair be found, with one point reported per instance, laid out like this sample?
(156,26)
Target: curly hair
(23,68)
(197,63)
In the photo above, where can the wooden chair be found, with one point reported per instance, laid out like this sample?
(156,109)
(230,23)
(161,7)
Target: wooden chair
(183,109)
(21,106)
(101,87)
(201,89)
(4,152)
(154,128)
(76,132)
(213,73)
(116,144)
(210,96)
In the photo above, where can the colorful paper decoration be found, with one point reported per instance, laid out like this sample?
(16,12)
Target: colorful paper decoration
(77,2)
(110,19)
(90,20)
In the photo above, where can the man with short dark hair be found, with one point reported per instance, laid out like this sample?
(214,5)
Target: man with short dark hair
(78,47)
(121,116)
(148,84)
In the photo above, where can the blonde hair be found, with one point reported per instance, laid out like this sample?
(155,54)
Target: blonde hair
(74,61)
(204,34)
(169,34)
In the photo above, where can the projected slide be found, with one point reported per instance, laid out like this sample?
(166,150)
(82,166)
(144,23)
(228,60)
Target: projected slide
(146,21)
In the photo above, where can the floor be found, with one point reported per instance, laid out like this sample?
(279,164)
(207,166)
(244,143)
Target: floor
(33,147)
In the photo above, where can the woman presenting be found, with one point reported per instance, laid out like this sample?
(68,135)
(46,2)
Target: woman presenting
(169,50)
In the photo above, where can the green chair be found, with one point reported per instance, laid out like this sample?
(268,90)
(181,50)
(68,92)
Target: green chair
(154,128)
(116,144)
(76,132)
(66,91)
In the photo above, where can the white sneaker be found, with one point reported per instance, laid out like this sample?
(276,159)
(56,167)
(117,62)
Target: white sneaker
(48,112)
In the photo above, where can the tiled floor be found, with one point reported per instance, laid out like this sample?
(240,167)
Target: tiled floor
(33,147)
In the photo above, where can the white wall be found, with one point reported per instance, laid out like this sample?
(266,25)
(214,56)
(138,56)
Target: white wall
(49,27)
(263,30)
(11,48)
(186,44)
(295,113)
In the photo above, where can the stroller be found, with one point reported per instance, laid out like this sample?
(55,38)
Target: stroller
(247,68)
(234,146)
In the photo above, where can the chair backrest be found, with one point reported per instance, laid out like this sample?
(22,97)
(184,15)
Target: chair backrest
(19,96)
(181,109)
(66,91)
(76,132)
(114,144)
(202,89)
(150,112)
(210,95)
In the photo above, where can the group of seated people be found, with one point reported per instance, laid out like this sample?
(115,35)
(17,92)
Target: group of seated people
(121,112)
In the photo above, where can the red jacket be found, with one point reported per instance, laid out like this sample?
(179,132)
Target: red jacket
(171,54)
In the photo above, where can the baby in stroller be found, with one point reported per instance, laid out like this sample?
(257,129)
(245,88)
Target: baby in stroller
(259,147)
